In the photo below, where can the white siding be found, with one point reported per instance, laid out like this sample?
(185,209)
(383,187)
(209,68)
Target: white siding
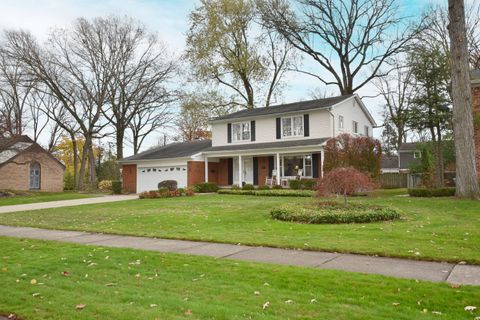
(351,111)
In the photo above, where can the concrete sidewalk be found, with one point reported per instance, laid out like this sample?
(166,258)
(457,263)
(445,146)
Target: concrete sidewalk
(399,268)
(65,203)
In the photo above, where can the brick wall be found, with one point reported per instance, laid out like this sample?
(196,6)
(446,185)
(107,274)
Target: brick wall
(16,174)
(476,110)
(129,178)
(196,172)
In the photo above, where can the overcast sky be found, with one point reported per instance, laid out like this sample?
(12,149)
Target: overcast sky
(166,17)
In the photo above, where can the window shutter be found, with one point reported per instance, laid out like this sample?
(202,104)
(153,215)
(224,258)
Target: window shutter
(255,171)
(252,130)
(271,165)
(315,162)
(229,133)
(230,171)
(279,133)
(306,125)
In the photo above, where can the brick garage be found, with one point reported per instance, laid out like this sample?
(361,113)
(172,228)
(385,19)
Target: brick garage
(196,172)
(17,157)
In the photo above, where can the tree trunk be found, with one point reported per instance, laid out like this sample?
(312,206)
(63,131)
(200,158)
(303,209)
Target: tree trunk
(92,172)
(120,135)
(83,165)
(75,162)
(466,178)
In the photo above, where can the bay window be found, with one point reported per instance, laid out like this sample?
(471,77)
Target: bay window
(292,126)
(241,131)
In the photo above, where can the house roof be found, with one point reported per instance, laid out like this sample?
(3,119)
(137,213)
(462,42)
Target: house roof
(268,145)
(389,162)
(283,108)
(409,146)
(173,150)
(475,77)
(12,147)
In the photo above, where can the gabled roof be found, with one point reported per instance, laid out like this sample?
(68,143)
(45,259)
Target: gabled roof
(269,145)
(285,108)
(12,147)
(173,150)
(389,162)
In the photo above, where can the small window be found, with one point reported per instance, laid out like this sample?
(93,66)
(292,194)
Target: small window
(355,127)
(292,126)
(35,173)
(340,122)
(367,131)
(417,155)
(241,131)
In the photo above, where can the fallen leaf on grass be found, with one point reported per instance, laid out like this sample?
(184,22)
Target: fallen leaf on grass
(33,281)
(153,305)
(188,312)
(65,273)
(437,312)
(396,304)
(288,301)
(257,293)
(266,305)
(111,284)
(470,308)
(36,294)
(80,306)
(313,301)
(455,285)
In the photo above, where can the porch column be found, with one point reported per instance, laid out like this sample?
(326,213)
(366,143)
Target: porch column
(240,171)
(206,169)
(278,168)
(322,155)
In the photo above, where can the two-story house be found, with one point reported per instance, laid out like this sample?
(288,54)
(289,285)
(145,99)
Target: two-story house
(273,144)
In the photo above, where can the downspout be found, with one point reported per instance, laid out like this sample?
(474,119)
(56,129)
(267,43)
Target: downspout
(333,122)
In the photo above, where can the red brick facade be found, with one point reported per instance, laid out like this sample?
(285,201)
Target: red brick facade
(129,178)
(476,112)
(196,172)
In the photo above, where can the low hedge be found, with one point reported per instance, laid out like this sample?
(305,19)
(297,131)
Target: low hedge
(165,193)
(333,213)
(270,192)
(205,187)
(303,184)
(425,192)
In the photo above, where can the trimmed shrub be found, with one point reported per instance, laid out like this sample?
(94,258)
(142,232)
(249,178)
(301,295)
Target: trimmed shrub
(333,212)
(270,192)
(181,191)
(205,187)
(189,192)
(165,193)
(235,187)
(277,187)
(116,186)
(426,192)
(303,184)
(171,185)
(105,185)
(248,187)
(264,187)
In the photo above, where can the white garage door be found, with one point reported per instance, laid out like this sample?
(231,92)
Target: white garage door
(149,177)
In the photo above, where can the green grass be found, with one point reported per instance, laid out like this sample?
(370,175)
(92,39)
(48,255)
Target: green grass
(33,197)
(133,284)
(431,229)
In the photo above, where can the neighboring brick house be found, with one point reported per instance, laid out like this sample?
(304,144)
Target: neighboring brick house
(24,165)
(264,145)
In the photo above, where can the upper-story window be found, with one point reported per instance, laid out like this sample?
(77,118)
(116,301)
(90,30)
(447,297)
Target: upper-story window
(355,126)
(241,131)
(292,126)
(340,122)
(417,154)
(367,131)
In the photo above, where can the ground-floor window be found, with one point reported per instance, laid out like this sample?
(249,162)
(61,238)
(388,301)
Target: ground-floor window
(35,176)
(295,165)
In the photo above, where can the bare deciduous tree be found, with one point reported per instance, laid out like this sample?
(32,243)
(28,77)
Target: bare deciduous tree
(466,182)
(349,39)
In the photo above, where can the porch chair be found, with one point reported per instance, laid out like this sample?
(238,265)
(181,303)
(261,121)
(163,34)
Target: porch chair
(270,181)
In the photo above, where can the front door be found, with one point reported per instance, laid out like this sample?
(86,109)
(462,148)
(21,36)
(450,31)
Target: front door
(247,170)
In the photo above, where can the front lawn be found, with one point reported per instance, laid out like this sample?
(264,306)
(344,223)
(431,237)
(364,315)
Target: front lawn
(48,280)
(432,229)
(25,197)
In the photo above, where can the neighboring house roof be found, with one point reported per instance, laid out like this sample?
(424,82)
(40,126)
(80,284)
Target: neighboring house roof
(12,147)
(268,145)
(173,150)
(283,108)
(409,146)
(389,162)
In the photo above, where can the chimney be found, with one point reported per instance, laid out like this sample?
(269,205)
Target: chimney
(475,76)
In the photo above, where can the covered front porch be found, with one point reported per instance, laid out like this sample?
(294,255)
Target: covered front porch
(265,168)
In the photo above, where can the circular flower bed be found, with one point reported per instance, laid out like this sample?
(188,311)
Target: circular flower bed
(333,212)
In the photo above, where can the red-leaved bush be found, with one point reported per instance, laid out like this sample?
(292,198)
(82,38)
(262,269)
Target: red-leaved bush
(362,153)
(344,182)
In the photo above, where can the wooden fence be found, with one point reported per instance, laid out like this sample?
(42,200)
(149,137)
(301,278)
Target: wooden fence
(393,180)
